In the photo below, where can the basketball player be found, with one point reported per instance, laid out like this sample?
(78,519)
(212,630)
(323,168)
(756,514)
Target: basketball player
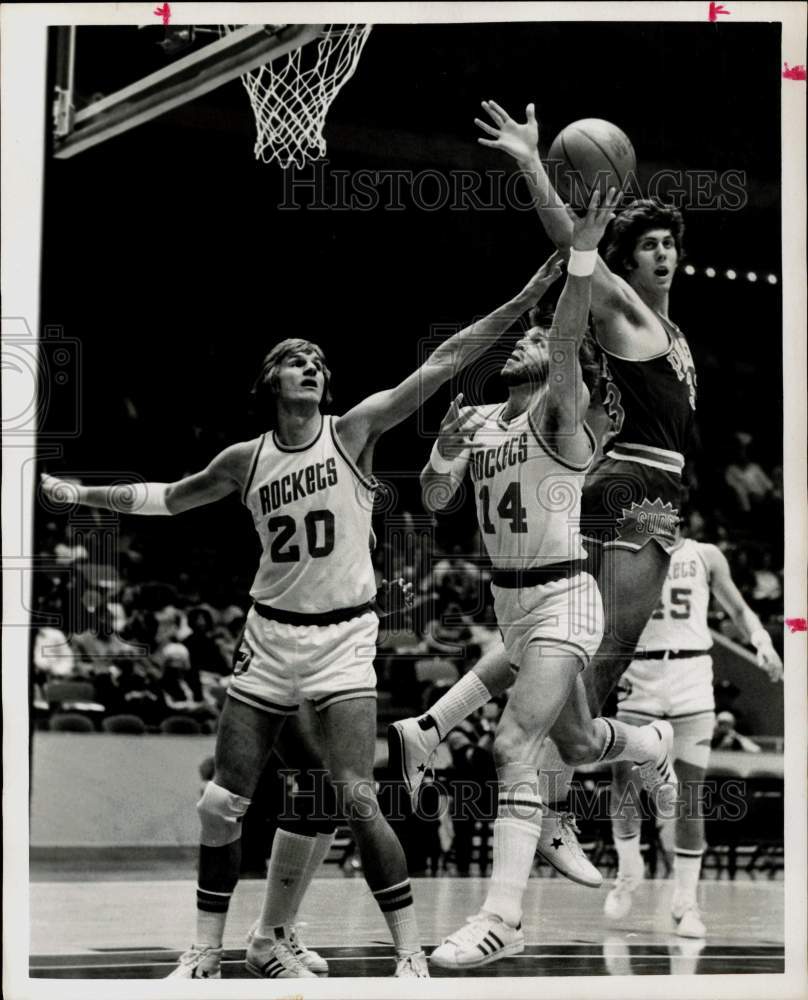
(527,460)
(671,677)
(630,503)
(311,632)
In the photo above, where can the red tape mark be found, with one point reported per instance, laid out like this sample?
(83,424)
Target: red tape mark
(164,12)
(793,72)
(797,624)
(715,10)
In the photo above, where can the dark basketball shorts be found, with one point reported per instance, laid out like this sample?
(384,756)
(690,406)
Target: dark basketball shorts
(626,505)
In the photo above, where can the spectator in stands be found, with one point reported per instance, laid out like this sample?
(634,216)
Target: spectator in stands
(205,652)
(726,736)
(767,591)
(181,686)
(226,636)
(99,646)
(749,484)
(131,687)
(53,656)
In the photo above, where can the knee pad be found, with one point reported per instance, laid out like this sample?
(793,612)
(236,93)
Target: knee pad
(220,813)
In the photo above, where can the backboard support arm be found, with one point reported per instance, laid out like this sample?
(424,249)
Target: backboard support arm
(178,83)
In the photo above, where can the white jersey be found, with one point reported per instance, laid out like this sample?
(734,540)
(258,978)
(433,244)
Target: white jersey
(312,510)
(680,620)
(528,498)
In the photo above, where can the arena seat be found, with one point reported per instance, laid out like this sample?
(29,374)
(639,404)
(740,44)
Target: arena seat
(180,725)
(129,724)
(59,692)
(70,722)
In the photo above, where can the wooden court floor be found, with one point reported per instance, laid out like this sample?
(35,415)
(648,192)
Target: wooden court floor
(136,929)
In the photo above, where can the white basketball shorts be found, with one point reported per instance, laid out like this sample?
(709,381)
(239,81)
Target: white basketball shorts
(281,665)
(565,616)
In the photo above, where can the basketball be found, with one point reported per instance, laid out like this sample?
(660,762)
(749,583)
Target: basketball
(590,153)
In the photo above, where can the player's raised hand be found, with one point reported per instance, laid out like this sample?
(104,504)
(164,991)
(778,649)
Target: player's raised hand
(517,139)
(549,272)
(770,662)
(587,232)
(457,429)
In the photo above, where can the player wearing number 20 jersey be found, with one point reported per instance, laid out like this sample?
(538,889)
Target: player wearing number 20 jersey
(311,633)
(312,510)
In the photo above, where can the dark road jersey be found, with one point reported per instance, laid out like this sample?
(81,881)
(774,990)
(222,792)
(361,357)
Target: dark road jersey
(651,404)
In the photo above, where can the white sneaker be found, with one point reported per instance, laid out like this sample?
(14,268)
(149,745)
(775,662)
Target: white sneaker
(198,963)
(484,939)
(558,845)
(273,958)
(618,902)
(688,922)
(410,750)
(412,967)
(312,960)
(658,776)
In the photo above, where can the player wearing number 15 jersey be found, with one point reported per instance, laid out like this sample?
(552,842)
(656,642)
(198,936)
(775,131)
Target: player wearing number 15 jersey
(671,677)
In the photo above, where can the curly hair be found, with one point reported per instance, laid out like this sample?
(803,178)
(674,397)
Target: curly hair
(265,387)
(635,219)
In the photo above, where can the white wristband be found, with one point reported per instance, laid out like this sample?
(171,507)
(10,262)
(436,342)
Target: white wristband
(439,463)
(760,637)
(581,262)
(146,498)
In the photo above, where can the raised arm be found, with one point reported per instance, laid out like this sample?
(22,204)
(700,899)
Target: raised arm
(571,316)
(383,410)
(731,599)
(226,473)
(610,294)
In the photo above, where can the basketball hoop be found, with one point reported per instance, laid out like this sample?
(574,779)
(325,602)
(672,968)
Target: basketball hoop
(291,94)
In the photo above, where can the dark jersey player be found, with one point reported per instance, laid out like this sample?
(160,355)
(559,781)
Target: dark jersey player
(630,503)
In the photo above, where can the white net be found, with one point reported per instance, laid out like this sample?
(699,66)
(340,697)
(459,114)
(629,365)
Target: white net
(291,94)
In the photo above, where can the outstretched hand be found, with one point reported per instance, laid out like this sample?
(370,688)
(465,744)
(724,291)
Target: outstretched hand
(517,139)
(587,232)
(549,272)
(457,429)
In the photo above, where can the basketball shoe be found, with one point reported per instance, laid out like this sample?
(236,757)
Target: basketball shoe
(312,960)
(274,958)
(618,902)
(411,749)
(558,845)
(687,920)
(658,776)
(198,963)
(412,967)
(485,938)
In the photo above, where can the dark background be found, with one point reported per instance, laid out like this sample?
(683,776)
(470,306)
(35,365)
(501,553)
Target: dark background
(166,256)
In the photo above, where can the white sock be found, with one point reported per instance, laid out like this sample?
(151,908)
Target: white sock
(322,846)
(462,698)
(629,859)
(516,833)
(399,912)
(686,871)
(555,777)
(287,864)
(210,928)
(621,741)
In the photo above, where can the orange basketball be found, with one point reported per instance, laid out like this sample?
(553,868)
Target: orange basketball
(587,154)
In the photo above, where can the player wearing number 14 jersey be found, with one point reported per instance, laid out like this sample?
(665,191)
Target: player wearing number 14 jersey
(528,458)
